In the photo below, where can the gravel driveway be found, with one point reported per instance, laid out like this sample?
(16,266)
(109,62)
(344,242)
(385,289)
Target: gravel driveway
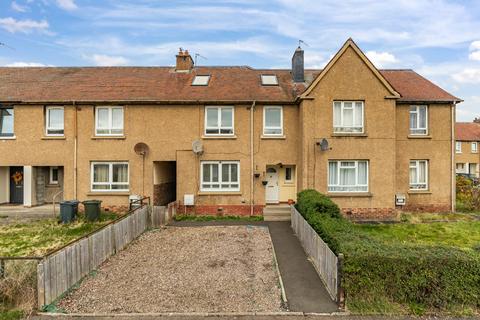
(185,269)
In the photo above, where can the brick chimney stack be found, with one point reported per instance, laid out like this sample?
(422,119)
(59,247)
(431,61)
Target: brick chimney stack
(184,61)
(298,69)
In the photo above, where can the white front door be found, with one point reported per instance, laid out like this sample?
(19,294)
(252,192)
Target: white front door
(271,193)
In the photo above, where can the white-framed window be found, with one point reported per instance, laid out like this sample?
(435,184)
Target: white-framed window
(348,116)
(54,121)
(220,176)
(201,80)
(474,147)
(269,80)
(348,176)
(458,146)
(418,120)
(219,121)
(6,122)
(273,121)
(110,176)
(289,175)
(460,167)
(53,176)
(418,174)
(109,121)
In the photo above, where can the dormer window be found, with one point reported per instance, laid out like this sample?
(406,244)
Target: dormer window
(269,80)
(201,80)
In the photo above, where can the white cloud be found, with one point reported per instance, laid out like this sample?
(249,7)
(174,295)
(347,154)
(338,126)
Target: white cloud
(475,55)
(106,61)
(25,26)
(67,4)
(26,64)
(19,8)
(467,75)
(475,45)
(381,59)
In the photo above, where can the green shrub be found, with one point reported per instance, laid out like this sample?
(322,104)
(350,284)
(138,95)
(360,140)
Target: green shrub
(420,278)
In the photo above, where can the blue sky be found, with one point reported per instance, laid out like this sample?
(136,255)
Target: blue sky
(440,39)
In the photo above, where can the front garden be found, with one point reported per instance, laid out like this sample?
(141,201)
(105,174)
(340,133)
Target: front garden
(421,265)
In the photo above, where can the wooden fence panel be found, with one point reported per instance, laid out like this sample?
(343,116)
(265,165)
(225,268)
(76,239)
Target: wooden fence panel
(60,271)
(322,257)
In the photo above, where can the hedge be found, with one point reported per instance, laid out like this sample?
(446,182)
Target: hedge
(436,278)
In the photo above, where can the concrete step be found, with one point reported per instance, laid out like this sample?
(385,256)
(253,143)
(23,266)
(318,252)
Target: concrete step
(276,210)
(276,218)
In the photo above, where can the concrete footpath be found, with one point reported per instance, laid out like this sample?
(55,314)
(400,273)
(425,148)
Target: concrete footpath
(304,289)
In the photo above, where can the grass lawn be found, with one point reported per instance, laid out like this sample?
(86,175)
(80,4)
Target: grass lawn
(10,314)
(37,238)
(461,231)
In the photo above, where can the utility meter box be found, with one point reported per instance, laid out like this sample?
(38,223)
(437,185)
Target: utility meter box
(400,199)
(188,199)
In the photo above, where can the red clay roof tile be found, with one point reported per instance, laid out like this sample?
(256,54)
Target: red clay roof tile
(467,131)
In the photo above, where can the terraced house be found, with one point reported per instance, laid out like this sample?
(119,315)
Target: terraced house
(229,140)
(467,157)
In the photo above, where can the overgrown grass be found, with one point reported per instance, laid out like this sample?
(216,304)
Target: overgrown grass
(10,314)
(217,218)
(37,238)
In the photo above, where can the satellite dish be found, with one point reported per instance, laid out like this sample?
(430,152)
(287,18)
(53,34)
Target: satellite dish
(324,145)
(141,148)
(197,147)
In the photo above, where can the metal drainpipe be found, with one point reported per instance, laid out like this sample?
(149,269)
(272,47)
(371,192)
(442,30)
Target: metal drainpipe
(252,164)
(75,125)
(453,176)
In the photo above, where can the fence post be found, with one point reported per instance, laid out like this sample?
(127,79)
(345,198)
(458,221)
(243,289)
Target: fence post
(40,285)
(340,292)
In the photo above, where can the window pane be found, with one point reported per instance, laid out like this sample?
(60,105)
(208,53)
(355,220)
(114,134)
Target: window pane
(288,174)
(358,114)
(332,173)
(413,120)
(348,115)
(100,173)
(347,176)
(55,118)
(362,173)
(117,118)
(422,116)
(273,117)
(101,187)
(206,173)
(422,172)
(214,172)
(413,175)
(120,172)
(102,118)
(54,176)
(337,114)
(234,173)
(227,115)
(6,121)
(212,118)
(225,173)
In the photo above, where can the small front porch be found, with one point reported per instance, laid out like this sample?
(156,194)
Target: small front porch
(280,182)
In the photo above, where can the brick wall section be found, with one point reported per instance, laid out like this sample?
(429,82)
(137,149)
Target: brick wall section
(369,213)
(226,210)
(436,208)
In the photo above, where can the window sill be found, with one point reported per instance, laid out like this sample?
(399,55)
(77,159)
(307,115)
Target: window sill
(109,137)
(53,138)
(108,193)
(419,192)
(410,136)
(353,135)
(8,138)
(219,193)
(272,137)
(220,137)
(349,194)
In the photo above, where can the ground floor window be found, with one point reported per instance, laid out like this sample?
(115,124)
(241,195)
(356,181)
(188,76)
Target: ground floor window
(110,176)
(419,175)
(53,175)
(348,176)
(220,176)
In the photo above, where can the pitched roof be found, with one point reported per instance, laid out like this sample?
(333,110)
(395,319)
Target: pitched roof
(237,83)
(467,131)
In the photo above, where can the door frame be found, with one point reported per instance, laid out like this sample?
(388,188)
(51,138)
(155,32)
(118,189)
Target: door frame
(277,200)
(12,191)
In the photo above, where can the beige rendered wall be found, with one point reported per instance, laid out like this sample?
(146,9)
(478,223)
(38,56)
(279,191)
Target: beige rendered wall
(436,148)
(350,79)
(4,184)
(467,156)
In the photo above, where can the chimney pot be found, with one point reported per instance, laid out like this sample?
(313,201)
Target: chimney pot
(298,68)
(184,61)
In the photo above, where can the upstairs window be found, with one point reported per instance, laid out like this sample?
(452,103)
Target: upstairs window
(219,121)
(201,80)
(348,176)
(110,176)
(273,121)
(269,80)
(458,147)
(418,120)
(220,176)
(474,147)
(418,175)
(54,121)
(6,122)
(109,121)
(348,117)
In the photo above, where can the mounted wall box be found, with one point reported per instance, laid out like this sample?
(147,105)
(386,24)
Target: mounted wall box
(188,199)
(400,199)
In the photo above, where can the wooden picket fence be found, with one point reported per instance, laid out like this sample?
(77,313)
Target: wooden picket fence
(63,268)
(327,264)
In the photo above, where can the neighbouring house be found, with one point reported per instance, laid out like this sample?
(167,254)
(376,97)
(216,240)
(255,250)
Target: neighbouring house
(229,140)
(467,140)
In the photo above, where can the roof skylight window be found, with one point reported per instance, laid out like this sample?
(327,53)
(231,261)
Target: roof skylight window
(201,80)
(269,80)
